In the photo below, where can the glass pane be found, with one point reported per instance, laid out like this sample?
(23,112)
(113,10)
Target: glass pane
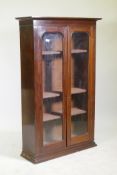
(52,87)
(79,83)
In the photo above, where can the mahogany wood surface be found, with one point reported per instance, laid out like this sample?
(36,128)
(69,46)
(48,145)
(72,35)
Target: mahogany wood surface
(32,53)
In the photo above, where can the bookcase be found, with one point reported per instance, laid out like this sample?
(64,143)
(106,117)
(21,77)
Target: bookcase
(57,85)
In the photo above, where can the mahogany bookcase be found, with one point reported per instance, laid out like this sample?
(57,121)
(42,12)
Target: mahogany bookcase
(57,85)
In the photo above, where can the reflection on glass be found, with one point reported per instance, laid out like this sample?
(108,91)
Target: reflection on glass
(52,83)
(79,83)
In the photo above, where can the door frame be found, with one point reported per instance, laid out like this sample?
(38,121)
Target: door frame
(38,33)
(89,136)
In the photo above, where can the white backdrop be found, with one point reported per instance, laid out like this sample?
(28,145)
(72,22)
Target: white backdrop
(106,67)
(106,56)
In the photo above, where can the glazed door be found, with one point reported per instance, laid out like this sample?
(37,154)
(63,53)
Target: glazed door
(53,70)
(80,93)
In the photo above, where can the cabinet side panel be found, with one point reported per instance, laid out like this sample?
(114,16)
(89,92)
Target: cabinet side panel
(92,79)
(27,89)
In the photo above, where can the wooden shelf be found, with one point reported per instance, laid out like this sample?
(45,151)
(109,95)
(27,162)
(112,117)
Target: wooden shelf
(79,51)
(51,52)
(77,111)
(74,111)
(77,90)
(74,90)
(49,117)
(50,95)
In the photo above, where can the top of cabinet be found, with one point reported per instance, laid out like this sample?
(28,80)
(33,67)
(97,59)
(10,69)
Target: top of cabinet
(39,21)
(56,18)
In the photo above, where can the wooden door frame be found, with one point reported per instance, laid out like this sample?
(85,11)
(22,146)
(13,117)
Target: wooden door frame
(38,32)
(89,28)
